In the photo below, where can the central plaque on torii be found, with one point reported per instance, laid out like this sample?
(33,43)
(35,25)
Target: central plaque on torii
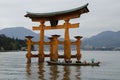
(54,18)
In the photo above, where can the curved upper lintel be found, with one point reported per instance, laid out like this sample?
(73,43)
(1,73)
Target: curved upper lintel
(60,15)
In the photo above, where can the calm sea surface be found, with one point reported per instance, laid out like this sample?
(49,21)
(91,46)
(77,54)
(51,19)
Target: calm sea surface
(13,67)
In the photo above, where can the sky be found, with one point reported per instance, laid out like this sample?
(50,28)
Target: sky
(104,15)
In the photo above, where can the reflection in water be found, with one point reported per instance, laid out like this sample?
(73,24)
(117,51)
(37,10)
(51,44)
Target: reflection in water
(54,72)
(44,72)
(78,73)
(13,67)
(41,71)
(67,72)
(34,72)
(28,69)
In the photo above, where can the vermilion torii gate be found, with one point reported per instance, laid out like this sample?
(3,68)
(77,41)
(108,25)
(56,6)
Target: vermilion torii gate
(54,17)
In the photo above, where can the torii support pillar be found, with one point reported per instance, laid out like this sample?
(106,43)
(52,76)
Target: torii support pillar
(29,43)
(55,47)
(51,48)
(78,43)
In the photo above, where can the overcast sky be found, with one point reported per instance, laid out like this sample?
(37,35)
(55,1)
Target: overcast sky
(104,14)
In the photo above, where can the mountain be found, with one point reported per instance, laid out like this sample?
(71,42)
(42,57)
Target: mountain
(20,33)
(104,39)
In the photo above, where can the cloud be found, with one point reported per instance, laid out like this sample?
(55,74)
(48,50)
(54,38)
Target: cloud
(103,15)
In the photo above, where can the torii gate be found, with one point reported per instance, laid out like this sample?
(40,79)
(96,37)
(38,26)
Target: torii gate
(54,17)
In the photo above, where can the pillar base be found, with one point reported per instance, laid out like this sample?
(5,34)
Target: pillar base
(28,55)
(28,61)
(68,61)
(78,61)
(79,57)
(40,58)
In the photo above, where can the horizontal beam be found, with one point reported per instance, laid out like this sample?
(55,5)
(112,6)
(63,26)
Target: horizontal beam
(74,43)
(61,17)
(48,55)
(36,43)
(48,43)
(56,27)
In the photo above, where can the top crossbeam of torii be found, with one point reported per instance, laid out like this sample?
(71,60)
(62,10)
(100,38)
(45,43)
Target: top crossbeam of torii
(54,17)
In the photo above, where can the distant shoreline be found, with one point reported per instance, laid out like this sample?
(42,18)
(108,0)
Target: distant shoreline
(47,50)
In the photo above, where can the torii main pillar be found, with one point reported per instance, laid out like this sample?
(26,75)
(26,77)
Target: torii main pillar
(67,43)
(41,43)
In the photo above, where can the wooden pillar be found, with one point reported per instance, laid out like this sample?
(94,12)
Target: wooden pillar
(41,44)
(55,47)
(78,47)
(67,45)
(29,43)
(51,48)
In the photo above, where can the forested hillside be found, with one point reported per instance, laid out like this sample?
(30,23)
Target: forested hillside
(105,40)
(7,43)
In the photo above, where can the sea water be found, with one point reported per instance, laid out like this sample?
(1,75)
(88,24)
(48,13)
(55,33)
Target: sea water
(13,67)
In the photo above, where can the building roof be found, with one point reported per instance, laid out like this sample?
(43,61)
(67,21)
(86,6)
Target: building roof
(52,15)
